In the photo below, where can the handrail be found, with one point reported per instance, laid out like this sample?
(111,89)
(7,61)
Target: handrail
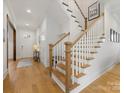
(51,46)
(66,34)
(85,18)
(82,33)
(79,9)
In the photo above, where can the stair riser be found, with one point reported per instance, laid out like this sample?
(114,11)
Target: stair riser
(75,67)
(59,83)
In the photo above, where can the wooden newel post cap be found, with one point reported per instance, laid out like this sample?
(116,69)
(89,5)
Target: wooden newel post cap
(51,45)
(68,43)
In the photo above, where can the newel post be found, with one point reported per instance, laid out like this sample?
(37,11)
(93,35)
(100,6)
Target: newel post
(50,58)
(85,23)
(68,65)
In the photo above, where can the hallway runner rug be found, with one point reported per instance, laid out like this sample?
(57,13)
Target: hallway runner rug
(24,63)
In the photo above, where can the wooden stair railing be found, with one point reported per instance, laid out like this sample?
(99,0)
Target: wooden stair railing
(51,50)
(83,42)
(68,5)
(85,18)
(83,33)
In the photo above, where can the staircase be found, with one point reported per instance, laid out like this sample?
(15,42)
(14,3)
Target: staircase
(72,9)
(70,58)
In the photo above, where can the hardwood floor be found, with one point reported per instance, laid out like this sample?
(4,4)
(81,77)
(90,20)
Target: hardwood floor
(35,79)
(108,83)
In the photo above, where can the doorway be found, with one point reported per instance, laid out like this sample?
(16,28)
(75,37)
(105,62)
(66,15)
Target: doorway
(11,41)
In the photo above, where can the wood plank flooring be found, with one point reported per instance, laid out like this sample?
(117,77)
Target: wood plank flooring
(35,79)
(108,83)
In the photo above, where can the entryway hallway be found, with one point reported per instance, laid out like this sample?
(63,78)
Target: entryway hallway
(35,79)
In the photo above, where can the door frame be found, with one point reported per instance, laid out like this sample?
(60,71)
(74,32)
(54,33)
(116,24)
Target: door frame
(14,39)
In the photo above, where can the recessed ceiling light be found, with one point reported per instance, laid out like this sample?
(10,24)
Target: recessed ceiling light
(28,11)
(27,24)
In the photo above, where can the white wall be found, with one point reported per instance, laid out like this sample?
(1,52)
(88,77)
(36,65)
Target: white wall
(5,12)
(111,22)
(108,55)
(27,43)
(49,30)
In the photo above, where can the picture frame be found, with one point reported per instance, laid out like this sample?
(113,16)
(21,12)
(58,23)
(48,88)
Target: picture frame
(94,11)
(111,35)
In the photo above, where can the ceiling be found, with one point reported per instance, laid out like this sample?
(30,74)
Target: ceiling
(39,10)
(19,9)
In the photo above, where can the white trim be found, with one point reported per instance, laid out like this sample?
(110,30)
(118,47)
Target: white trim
(58,82)
(5,74)
(94,77)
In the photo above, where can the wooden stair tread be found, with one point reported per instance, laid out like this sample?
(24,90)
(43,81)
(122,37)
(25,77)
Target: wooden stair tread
(89,58)
(84,65)
(62,78)
(69,10)
(102,37)
(79,75)
(96,46)
(65,4)
(93,52)
(62,66)
(100,42)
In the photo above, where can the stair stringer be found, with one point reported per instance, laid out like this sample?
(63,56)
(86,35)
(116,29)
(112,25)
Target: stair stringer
(98,66)
(59,83)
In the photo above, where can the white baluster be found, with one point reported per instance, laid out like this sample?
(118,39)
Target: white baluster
(79,55)
(76,58)
(73,53)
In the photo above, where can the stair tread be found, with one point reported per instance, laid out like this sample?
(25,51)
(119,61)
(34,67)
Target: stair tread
(102,37)
(93,52)
(96,46)
(65,4)
(62,78)
(83,66)
(62,66)
(69,10)
(100,42)
(89,58)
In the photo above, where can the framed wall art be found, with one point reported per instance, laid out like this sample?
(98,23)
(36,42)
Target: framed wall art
(94,11)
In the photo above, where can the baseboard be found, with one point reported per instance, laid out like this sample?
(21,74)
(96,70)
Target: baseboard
(24,58)
(5,74)
(60,85)
(94,77)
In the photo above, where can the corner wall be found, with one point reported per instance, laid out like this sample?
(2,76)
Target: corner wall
(47,33)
